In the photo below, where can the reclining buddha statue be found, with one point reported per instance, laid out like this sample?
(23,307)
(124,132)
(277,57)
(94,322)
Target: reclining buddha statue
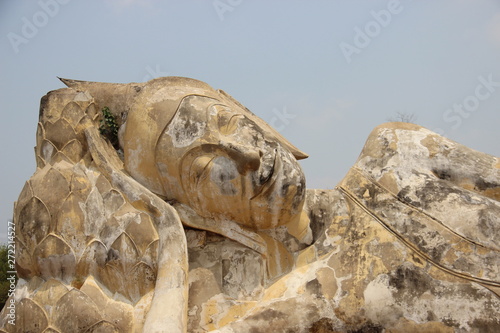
(167,206)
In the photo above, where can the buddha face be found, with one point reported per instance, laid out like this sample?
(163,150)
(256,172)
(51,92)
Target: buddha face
(217,160)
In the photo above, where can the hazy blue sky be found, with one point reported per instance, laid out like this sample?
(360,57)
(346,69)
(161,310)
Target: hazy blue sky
(323,72)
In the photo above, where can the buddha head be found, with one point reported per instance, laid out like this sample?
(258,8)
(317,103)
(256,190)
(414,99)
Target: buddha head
(189,143)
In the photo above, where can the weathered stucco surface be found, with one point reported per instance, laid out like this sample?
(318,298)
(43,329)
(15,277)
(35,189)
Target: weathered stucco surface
(198,221)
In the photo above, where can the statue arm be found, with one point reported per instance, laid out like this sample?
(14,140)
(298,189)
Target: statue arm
(168,311)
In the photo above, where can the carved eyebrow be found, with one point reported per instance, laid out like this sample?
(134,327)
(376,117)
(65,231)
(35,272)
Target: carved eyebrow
(227,121)
(238,115)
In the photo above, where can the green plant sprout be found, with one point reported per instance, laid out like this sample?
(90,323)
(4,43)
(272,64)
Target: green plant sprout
(108,127)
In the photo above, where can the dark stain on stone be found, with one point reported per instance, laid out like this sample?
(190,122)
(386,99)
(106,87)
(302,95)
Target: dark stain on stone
(409,280)
(314,287)
(436,191)
(465,265)
(317,223)
(403,195)
(442,174)
(479,183)
(43,103)
(324,325)
(113,255)
(368,328)
(491,325)
(487,225)
(299,196)
(268,315)
(482,185)
(284,189)
(436,252)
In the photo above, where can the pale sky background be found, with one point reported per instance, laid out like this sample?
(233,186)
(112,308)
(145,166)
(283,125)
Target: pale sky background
(323,72)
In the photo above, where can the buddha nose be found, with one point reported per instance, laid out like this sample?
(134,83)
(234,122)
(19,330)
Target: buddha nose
(246,157)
